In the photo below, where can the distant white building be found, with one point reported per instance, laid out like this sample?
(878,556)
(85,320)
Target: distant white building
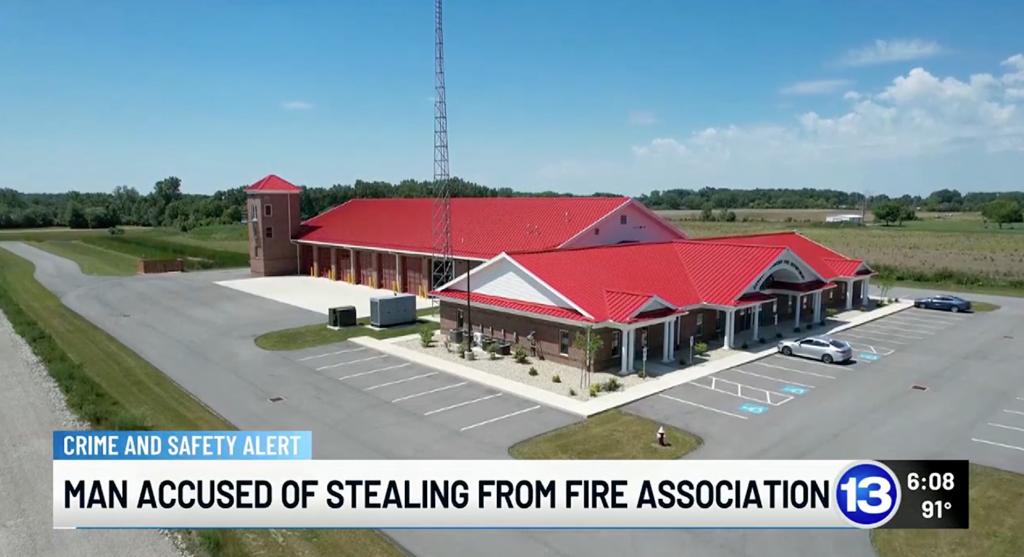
(850,218)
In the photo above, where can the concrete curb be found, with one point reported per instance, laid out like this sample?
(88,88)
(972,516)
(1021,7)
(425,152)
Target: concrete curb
(612,400)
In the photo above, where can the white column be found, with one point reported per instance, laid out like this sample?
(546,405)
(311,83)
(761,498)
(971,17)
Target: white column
(631,347)
(797,312)
(399,278)
(849,294)
(672,338)
(757,323)
(624,351)
(817,306)
(864,291)
(730,328)
(665,330)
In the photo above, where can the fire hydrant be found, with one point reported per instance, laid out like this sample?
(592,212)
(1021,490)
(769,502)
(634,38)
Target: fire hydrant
(661,436)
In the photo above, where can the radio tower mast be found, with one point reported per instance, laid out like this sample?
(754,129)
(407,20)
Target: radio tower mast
(443,267)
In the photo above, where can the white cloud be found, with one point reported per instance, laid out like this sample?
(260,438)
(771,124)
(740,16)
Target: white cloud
(642,118)
(959,125)
(894,50)
(297,105)
(815,87)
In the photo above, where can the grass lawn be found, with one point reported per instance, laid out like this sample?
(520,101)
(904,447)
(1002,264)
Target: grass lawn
(93,260)
(997,505)
(157,401)
(983,306)
(319,335)
(227,237)
(613,435)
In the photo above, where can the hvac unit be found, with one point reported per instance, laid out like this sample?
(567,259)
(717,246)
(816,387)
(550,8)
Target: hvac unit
(392,310)
(342,316)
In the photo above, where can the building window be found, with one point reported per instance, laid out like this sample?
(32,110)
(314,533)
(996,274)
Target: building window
(616,343)
(268,210)
(597,232)
(269,232)
(257,251)
(563,342)
(623,219)
(460,319)
(252,210)
(700,324)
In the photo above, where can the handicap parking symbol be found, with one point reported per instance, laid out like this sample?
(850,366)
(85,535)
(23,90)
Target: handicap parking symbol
(869,356)
(794,390)
(753,408)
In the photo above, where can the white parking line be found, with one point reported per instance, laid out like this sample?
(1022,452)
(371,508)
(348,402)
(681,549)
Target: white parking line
(332,366)
(728,387)
(937,325)
(818,363)
(372,371)
(935,318)
(1018,412)
(406,380)
(901,329)
(1003,445)
(461,404)
(499,418)
(875,337)
(811,373)
(1020,398)
(886,332)
(873,348)
(430,392)
(787,382)
(1021,429)
(331,354)
(701,406)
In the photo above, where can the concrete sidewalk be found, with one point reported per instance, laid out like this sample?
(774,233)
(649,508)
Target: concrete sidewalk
(611,400)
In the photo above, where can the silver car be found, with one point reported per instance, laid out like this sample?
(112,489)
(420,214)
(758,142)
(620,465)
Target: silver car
(822,348)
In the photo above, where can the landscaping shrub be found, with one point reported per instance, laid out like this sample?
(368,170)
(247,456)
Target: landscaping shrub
(595,389)
(426,337)
(533,371)
(612,385)
(556,379)
(700,348)
(520,355)
(572,391)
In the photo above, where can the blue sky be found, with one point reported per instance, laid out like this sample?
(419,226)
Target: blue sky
(569,95)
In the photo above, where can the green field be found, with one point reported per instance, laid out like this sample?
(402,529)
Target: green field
(997,503)
(98,252)
(613,435)
(309,336)
(111,386)
(955,253)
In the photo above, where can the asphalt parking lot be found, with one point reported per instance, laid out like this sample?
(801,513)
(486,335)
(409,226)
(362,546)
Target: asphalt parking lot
(460,406)
(772,407)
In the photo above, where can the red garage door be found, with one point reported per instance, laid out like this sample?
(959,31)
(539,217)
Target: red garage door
(389,271)
(412,268)
(367,270)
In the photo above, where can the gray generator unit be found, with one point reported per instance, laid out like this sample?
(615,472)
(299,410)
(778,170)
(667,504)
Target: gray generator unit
(343,316)
(392,310)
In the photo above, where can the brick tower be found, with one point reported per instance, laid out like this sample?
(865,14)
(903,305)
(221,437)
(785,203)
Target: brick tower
(272,211)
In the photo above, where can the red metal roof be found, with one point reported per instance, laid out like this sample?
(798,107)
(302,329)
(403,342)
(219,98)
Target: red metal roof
(508,303)
(682,273)
(482,227)
(828,263)
(274,183)
(801,286)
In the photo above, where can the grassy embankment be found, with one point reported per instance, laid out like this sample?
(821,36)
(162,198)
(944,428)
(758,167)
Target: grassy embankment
(962,253)
(99,253)
(997,505)
(109,385)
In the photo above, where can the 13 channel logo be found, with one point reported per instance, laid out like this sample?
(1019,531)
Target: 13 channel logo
(867,494)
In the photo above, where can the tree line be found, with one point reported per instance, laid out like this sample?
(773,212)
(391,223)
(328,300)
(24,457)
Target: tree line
(166,204)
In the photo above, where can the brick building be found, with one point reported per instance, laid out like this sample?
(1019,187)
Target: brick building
(545,269)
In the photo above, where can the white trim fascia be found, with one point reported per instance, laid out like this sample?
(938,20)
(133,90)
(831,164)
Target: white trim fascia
(561,296)
(573,322)
(794,256)
(595,223)
(664,223)
(651,298)
(506,257)
(629,201)
(272,192)
(380,249)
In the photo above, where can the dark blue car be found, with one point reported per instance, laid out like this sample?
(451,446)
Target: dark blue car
(948,303)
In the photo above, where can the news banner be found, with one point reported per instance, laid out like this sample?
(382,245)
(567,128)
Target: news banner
(269,479)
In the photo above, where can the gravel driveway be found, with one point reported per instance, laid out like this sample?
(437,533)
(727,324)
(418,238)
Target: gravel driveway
(31,407)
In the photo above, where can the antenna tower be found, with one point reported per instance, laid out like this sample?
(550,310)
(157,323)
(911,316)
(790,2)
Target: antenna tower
(443,266)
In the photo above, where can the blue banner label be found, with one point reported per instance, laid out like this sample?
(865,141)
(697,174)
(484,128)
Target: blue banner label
(182,445)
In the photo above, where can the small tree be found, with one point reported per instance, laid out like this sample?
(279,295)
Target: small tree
(588,343)
(426,337)
(1002,211)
